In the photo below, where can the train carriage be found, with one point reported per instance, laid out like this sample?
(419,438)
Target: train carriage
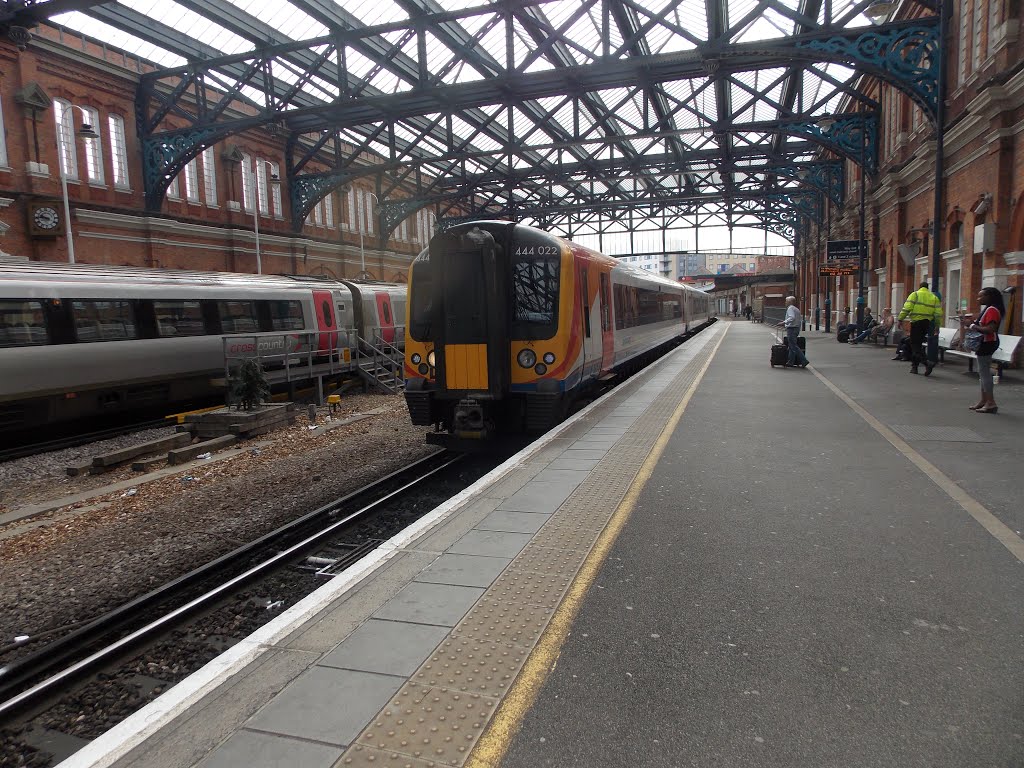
(78,341)
(509,327)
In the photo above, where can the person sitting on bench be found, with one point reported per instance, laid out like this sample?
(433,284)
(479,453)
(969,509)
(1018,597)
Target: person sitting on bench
(876,330)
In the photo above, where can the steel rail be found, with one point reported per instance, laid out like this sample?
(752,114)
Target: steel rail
(20,672)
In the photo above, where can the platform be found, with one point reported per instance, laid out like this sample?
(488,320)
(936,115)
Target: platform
(717,564)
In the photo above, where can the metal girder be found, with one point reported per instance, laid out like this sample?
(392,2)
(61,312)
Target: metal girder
(334,114)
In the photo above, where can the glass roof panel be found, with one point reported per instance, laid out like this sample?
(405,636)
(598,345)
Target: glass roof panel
(284,17)
(377,12)
(117,38)
(190,23)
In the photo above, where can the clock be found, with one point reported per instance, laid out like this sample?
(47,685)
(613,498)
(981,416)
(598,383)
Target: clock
(44,220)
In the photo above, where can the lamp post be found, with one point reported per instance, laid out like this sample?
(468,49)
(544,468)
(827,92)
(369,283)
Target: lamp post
(362,251)
(85,132)
(275,182)
(940,135)
(862,245)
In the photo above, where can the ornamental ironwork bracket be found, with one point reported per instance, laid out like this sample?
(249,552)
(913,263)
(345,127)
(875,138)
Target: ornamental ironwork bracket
(307,189)
(853,135)
(166,155)
(826,177)
(907,57)
(394,212)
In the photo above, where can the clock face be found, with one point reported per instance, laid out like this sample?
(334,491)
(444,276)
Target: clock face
(45,217)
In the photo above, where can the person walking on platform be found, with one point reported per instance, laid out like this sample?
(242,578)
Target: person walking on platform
(924,310)
(792,324)
(986,322)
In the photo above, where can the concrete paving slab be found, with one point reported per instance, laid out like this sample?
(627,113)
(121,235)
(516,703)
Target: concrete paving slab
(491,543)
(577,464)
(387,647)
(584,453)
(513,522)
(263,750)
(464,570)
(569,477)
(537,497)
(308,708)
(422,603)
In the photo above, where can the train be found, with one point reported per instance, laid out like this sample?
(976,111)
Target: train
(81,341)
(510,328)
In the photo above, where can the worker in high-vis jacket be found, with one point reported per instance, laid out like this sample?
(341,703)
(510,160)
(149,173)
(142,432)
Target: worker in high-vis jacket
(924,309)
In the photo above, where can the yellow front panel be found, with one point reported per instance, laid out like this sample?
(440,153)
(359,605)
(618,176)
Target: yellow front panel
(465,366)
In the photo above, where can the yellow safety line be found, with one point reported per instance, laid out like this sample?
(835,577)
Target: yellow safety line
(1002,533)
(494,743)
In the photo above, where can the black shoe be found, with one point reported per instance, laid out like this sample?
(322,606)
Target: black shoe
(928,369)
(914,369)
(896,358)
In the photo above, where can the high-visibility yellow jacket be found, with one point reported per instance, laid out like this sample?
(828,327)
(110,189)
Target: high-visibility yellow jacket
(922,304)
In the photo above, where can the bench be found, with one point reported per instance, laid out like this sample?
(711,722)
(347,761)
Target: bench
(1002,357)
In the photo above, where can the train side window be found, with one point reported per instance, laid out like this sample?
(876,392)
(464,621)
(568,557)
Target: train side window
(387,312)
(606,304)
(179,318)
(22,324)
(286,315)
(238,316)
(585,296)
(103,320)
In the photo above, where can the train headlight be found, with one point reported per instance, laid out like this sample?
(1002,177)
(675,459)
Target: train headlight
(424,369)
(430,358)
(527,358)
(540,369)
(549,357)
(416,359)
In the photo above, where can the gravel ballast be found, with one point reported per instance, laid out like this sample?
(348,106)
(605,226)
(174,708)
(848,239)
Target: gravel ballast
(59,568)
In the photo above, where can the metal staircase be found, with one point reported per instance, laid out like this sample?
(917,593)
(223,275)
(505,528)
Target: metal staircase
(380,364)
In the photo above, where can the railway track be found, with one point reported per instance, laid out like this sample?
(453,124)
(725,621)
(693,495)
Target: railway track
(104,653)
(72,441)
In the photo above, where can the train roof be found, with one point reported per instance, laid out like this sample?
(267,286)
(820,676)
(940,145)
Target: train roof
(102,273)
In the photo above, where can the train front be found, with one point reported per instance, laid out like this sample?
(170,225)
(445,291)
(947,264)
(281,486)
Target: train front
(484,351)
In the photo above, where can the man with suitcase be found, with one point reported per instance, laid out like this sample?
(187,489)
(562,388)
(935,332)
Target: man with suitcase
(792,322)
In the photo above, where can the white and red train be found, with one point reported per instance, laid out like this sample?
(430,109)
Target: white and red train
(510,327)
(78,341)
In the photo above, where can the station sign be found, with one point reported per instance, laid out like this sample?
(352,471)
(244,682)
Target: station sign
(842,257)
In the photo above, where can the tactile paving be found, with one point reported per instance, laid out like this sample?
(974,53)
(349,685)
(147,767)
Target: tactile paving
(437,717)
(430,724)
(469,664)
(517,624)
(541,589)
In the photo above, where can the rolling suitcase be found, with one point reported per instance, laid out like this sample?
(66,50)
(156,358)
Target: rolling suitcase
(801,341)
(780,352)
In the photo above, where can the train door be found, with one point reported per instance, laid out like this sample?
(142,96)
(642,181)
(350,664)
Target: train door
(607,333)
(385,316)
(326,320)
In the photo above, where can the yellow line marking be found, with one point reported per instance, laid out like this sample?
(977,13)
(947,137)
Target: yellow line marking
(1003,534)
(494,743)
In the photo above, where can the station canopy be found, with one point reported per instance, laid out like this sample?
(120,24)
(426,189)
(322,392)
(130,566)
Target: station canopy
(587,116)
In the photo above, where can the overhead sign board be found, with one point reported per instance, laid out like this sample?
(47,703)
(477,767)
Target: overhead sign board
(842,257)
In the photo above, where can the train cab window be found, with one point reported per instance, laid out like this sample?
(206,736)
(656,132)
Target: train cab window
(421,303)
(535,285)
(103,320)
(287,315)
(22,323)
(238,316)
(179,318)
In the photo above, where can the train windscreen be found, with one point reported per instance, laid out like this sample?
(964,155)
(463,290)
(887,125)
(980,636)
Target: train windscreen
(535,283)
(421,304)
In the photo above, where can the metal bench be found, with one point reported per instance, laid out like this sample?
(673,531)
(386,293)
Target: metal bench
(1004,356)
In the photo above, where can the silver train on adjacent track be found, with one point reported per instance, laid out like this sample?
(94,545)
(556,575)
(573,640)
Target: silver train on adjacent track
(81,341)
